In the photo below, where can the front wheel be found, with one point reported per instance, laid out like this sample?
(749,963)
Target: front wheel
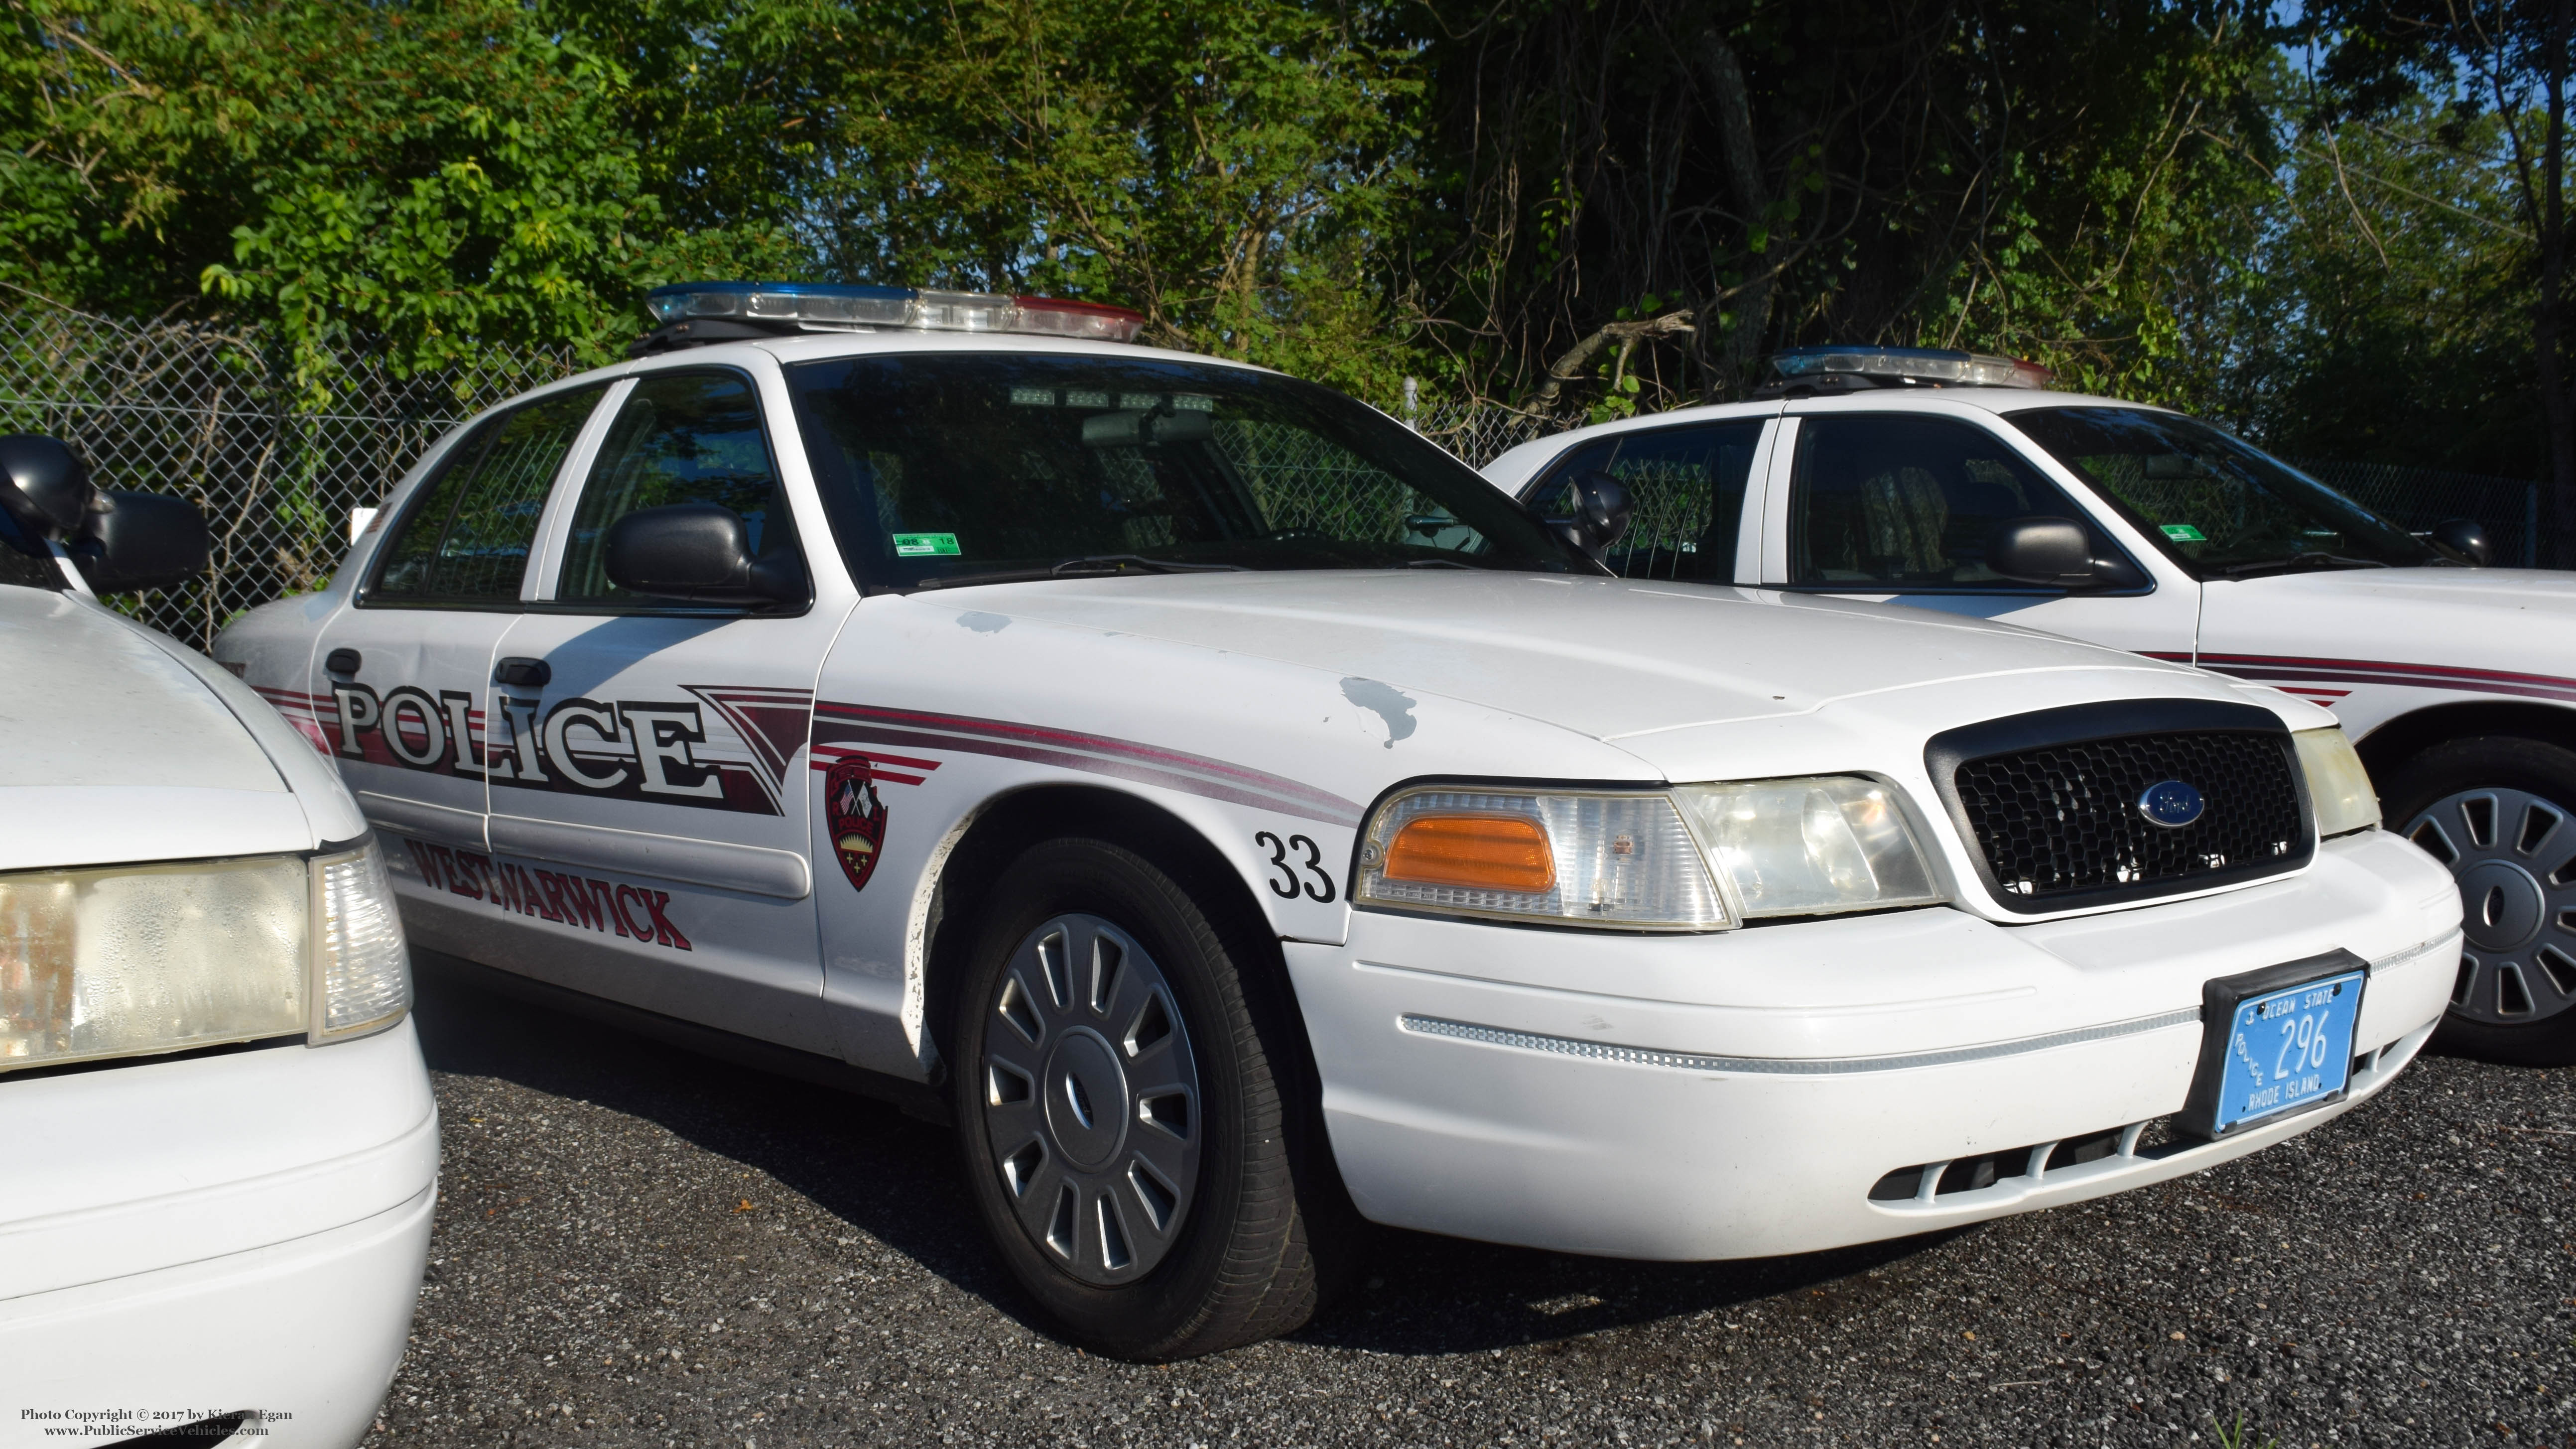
(2501,813)
(1132,1113)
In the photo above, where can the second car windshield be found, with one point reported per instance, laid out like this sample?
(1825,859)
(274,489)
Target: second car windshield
(2222,508)
(952,469)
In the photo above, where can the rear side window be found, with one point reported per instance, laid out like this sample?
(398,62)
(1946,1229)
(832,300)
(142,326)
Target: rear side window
(467,541)
(680,437)
(1687,485)
(1905,501)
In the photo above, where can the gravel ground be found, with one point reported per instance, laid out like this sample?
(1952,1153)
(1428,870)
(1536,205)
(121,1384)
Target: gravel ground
(638,1246)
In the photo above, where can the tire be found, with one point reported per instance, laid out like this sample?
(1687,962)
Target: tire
(2500,811)
(1134,1112)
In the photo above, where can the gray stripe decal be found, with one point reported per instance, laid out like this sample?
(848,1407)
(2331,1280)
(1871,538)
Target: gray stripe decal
(1786,1066)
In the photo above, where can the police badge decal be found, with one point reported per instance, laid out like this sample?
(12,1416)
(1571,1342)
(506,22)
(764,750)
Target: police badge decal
(857,818)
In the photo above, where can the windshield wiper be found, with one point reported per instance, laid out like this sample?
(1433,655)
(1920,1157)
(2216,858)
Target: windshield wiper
(1118,562)
(2299,561)
(1097,565)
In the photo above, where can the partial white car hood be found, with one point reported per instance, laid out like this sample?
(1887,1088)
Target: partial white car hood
(119,750)
(2520,621)
(1664,672)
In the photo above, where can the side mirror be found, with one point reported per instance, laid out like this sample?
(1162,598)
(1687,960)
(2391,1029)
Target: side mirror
(2042,551)
(142,541)
(695,551)
(43,486)
(2464,539)
(1600,507)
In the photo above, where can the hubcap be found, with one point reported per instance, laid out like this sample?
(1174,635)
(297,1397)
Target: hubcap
(2514,855)
(1091,1100)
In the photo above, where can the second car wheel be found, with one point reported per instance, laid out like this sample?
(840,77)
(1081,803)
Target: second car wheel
(2500,811)
(1133,1111)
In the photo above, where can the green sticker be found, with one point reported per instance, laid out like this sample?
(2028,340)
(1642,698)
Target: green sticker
(923,545)
(2184,533)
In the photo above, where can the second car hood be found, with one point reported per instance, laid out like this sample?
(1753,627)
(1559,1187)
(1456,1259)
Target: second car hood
(1603,657)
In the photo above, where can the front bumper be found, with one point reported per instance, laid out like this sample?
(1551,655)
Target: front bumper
(1741,1095)
(224,1234)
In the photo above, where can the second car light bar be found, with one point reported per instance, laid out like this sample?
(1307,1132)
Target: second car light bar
(830,307)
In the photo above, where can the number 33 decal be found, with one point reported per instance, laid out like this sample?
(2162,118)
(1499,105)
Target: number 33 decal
(1288,886)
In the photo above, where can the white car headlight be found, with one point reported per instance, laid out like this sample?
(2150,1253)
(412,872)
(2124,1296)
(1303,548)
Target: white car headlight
(1576,857)
(132,960)
(2337,783)
(1811,846)
(1634,861)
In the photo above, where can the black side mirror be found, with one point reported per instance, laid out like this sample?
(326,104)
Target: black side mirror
(2051,551)
(700,552)
(2464,539)
(43,486)
(1599,508)
(142,541)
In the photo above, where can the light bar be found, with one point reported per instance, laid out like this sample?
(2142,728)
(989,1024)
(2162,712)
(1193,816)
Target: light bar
(827,307)
(1935,365)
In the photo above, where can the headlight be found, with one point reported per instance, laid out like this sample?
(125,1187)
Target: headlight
(1811,846)
(2336,782)
(1769,848)
(133,960)
(1597,859)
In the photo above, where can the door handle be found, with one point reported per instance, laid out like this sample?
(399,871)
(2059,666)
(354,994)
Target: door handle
(523,673)
(342,661)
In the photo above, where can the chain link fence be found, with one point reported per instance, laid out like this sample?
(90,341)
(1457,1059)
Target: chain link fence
(279,456)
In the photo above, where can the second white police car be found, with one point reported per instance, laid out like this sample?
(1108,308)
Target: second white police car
(1240,814)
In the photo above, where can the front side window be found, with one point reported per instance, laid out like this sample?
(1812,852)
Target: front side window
(2219,507)
(680,437)
(957,469)
(467,541)
(1687,487)
(1903,501)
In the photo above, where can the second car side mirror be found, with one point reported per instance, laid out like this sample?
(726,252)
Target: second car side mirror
(2054,551)
(1599,507)
(142,541)
(699,552)
(2464,539)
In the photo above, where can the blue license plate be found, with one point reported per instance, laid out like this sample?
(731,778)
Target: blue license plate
(2287,1048)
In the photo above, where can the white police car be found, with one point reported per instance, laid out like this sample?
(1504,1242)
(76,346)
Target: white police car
(1957,483)
(1237,812)
(221,1151)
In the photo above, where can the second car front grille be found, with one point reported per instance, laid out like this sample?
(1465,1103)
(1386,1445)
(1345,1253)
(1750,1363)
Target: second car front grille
(2059,824)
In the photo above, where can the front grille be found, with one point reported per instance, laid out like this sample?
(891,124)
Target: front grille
(2059,824)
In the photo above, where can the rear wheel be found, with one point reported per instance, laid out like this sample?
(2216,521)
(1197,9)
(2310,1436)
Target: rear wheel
(1132,1112)
(2501,813)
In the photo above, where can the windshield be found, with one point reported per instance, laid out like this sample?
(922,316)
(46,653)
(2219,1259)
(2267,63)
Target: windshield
(953,469)
(2220,507)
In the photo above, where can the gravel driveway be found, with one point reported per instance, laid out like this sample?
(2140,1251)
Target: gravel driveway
(639,1246)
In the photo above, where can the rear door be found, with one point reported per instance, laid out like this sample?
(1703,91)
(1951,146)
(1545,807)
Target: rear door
(1898,506)
(655,820)
(1688,485)
(400,676)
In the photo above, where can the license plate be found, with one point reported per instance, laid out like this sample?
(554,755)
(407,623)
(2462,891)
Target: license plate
(2274,1042)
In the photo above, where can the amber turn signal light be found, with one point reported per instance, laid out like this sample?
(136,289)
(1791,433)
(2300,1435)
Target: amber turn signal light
(1478,852)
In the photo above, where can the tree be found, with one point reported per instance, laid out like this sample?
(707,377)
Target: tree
(2505,63)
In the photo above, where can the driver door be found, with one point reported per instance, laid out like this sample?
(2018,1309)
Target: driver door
(1897,507)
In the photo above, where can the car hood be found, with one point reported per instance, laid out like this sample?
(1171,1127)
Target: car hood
(119,751)
(1615,659)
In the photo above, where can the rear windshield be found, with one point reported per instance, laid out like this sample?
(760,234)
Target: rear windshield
(960,469)
(2222,508)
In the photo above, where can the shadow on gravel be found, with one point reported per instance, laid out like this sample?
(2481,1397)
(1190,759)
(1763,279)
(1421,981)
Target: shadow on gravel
(862,1161)
(893,1177)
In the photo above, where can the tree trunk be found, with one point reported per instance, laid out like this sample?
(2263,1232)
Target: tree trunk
(1741,349)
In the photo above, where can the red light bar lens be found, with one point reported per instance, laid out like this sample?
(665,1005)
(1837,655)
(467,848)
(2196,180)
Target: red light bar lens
(1056,317)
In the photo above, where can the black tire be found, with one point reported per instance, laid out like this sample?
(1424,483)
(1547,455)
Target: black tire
(1266,1230)
(2515,1001)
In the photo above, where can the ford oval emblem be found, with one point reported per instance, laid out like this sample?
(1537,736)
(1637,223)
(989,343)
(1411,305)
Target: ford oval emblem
(2171,804)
